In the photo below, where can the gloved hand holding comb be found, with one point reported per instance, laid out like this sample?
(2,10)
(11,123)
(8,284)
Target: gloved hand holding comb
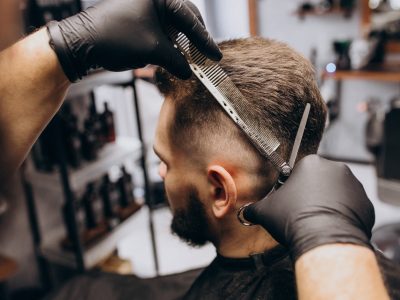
(120,35)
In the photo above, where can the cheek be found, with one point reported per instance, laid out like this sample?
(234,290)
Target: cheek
(174,192)
(176,188)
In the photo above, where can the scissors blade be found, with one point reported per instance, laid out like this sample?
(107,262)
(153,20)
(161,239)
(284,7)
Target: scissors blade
(299,136)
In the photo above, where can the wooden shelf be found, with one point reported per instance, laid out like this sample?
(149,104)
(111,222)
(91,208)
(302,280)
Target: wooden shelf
(391,74)
(8,268)
(393,47)
(315,12)
(111,155)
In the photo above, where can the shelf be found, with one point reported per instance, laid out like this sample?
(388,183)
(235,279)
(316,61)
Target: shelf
(387,73)
(393,47)
(97,79)
(316,12)
(52,250)
(347,159)
(8,267)
(111,155)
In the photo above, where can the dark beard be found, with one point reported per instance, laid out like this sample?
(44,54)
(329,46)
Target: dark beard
(191,224)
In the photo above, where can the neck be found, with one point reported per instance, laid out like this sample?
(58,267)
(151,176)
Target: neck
(243,241)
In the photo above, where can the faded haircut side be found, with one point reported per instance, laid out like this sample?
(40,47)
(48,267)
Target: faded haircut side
(277,83)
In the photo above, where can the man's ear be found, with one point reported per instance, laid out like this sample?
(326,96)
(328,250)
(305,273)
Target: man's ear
(223,190)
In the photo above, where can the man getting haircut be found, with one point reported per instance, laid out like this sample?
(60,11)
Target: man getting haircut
(210,169)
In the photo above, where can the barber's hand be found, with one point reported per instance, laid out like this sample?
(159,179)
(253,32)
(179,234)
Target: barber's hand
(321,203)
(120,35)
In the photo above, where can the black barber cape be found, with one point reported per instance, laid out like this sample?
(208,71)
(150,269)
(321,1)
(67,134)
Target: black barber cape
(269,275)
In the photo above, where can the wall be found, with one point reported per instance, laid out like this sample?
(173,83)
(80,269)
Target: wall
(227,18)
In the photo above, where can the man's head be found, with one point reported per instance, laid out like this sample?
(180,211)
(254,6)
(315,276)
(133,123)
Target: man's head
(207,160)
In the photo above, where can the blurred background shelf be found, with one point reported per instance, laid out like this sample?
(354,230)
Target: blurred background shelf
(393,47)
(52,250)
(111,155)
(97,79)
(383,73)
(317,12)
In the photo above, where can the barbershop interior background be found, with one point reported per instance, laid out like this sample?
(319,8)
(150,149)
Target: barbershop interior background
(92,153)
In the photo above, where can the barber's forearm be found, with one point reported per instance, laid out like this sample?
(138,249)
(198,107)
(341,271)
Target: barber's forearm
(32,88)
(339,271)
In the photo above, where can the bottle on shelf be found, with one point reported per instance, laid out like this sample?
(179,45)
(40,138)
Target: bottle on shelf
(89,142)
(39,159)
(94,119)
(93,207)
(341,48)
(390,160)
(125,186)
(71,136)
(110,196)
(107,120)
(48,149)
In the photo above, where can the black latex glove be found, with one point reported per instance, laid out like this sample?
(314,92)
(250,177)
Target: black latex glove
(321,203)
(120,35)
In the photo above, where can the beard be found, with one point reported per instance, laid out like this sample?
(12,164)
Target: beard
(191,224)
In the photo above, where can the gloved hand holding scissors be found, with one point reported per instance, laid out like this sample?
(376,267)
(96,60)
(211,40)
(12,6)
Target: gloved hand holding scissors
(321,203)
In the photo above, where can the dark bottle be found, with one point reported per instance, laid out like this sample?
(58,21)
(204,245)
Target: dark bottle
(125,186)
(342,54)
(107,120)
(89,142)
(374,127)
(110,196)
(313,57)
(93,207)
(391,146)
(71,136)
(95,122)
(48,148)
(74,149)
(38,158)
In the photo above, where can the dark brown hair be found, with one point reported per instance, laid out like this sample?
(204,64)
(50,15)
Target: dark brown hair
(276,81)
